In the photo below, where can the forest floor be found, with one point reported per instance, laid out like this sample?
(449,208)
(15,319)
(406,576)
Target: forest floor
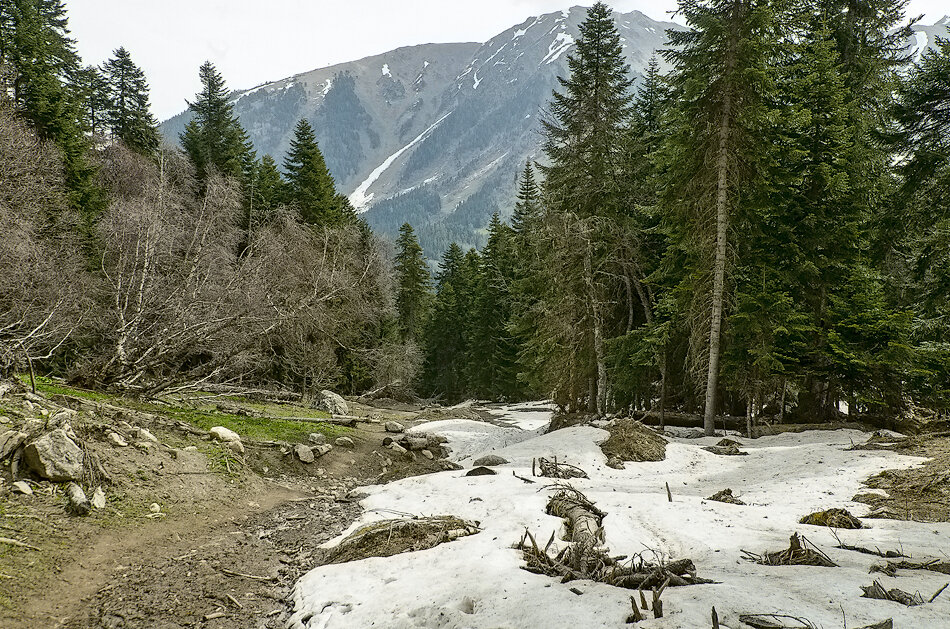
(192,534)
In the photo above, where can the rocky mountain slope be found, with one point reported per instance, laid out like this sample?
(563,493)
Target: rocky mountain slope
(436,134)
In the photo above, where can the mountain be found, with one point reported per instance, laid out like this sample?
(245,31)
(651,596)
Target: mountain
(437,134)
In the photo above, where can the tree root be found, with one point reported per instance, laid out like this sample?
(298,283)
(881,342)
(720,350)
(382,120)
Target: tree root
(798,553)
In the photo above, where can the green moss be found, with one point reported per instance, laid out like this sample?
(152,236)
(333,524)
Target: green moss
(48,386)
(256,428)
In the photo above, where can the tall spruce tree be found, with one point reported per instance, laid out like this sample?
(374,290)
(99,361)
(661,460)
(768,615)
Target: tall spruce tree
(310,186)
(711,159)
(448,330)
(129,115)
(583,143)
(413,284)
(93,91)
(214,138)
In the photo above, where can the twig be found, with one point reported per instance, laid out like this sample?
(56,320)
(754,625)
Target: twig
(932,598)
(235,601)
(18,543)
(232,573)
(527,480)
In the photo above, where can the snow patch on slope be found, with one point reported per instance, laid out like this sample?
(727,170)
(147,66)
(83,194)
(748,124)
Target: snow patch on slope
(386,71)
(561,44)
(361,198)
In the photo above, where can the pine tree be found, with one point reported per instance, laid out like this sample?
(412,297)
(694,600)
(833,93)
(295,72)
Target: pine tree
(265,192)
(527,213)
(721,84)
(448,330)
(310,186)
(129,116)
(92,89)
(214,139)
(413,283)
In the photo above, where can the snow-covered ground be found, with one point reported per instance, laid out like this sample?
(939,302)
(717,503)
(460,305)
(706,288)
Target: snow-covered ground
(476,582)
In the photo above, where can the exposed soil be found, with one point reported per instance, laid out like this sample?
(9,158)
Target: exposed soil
(919,493)
(232,534)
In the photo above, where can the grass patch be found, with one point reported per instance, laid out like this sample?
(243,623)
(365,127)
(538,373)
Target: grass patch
(256,428)
(48,386)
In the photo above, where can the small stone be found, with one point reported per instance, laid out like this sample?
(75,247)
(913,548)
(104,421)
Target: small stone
(155,508)
(144,446)
(98,499)
(78,503)
(4,419)
(481,471)
(398,449)
(44,412)
(317,438)
(344,442)
(28,405)
(236,447)
(145,435)
(117,440)
(490,460)
(23,488)
(304,453)
(615,462)
(10,441)
(448,466)
(224,434)
(190,449)
(394,427)
(64,416)
(33,397)
(319,451)
(124,425)
(427,454)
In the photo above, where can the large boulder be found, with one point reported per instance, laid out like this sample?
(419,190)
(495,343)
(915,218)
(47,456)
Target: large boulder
(224,434)
(55,456)
(490,460)
(333,403)
(10,441)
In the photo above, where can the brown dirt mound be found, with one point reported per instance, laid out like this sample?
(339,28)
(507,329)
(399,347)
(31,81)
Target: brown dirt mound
(401,535)
(835,518)
(632,441)
(725,496)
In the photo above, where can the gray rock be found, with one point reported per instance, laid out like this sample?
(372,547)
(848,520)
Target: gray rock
(144,446)
(55,456)
(317,438)
(304,453)
(427,454)
(98,499)
(78,503)
(64,416)
(344,442)
(333,403)
(34,397)
(394,427)
(224,434)
(10,441)
(145,435)
(23,487)
(319,451)
(4,419)
(615,463)
(236,446)
(448,466)
(490,460)
(398,449)
(117,440)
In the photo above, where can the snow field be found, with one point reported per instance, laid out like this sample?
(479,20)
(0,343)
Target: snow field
(783,478)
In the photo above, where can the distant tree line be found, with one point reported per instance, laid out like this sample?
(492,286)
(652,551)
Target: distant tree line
(761,230)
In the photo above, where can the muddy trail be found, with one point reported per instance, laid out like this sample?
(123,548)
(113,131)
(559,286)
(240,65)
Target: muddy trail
(194,532)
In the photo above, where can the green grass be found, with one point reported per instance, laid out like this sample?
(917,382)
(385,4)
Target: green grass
(47,386)
(257,428)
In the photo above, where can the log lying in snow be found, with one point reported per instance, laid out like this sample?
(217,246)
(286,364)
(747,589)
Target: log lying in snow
(553,469)
(585,557)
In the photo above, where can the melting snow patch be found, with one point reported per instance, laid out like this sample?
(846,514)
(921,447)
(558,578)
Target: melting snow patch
(361,198)
(386,71)
(561,44)
(327,86)
(476,81)
(921,44)
(476,582)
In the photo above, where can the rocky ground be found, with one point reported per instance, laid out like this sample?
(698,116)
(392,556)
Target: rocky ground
(191,525)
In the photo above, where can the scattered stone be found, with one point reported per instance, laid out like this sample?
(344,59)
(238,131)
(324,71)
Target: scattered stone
(78,503)
(344,442)
(481,471)
(725,496)
(145,435)
(615,462)
(236,446)
(155,508)
(55,456)
(333,403)
(124,425)
(64,416)
(144,446)
(319,451)
(224,434)
(44,412)
(28,405)
(23,487)
(98,499)
(398,449)
(427,454)
(10,441)
(448,466)
(490,460)
(190,449)
(4,419)
(317,438)
(34,397)
(394,427)
(304,453)
(117,440)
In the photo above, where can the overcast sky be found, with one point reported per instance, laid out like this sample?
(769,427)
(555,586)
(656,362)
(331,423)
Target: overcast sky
(254,41)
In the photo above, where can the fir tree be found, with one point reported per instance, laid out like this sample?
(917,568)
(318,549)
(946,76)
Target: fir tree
(265,192)
(310,186)
(413,283)
(449,328)
(129,116)
(214,139)
(93,91)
